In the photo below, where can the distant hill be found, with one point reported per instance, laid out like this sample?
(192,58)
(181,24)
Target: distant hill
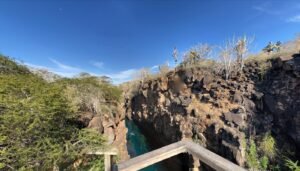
(45,74)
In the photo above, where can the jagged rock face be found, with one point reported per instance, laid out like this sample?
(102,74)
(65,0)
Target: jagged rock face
(220,114)
(112,126)
(282,98)
(194,104)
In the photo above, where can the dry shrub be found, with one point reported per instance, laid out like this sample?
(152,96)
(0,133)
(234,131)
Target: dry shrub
(227,57)
(288,49)
(163,70)
(197,53)
(143,75)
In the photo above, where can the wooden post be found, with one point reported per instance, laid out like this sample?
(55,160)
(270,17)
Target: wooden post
(194,163)
(107,162)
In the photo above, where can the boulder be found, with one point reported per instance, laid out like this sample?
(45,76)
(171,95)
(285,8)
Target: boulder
(109,134)
(96,123)
(85,118)
(185,100)
(237,116)
(206,98)
(238,97)
(207,80)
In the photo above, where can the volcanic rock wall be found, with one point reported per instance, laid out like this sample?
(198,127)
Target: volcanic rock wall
(222,114)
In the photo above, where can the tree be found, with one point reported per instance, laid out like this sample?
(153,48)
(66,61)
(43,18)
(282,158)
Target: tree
(38,129)
(38,126)
(269,48)
(227,57)
(197,53)
(241,49)
(278,46)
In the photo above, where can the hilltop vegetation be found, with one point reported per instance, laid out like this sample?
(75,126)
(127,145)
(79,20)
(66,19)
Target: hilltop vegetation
(8,66)
(225,60)
(39,127)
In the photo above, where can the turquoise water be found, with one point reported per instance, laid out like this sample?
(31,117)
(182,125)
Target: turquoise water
(137,144)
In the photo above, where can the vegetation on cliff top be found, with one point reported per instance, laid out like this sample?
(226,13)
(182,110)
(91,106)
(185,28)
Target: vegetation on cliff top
(38,120)
(223,60)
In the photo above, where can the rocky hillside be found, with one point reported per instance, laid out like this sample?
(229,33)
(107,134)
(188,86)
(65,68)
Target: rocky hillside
(252,118)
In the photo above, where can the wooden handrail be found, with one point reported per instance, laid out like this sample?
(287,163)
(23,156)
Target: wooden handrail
(213,160)
(152,157)
(107,157)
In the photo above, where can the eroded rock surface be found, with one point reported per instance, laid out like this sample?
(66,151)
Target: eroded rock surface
(220,114)
(112,126)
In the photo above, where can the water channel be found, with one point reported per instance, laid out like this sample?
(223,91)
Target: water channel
(138,144)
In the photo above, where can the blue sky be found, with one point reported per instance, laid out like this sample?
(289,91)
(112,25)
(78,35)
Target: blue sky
(116,38)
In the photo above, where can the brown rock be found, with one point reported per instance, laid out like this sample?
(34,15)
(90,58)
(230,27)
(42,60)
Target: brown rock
(96,123)
(109,134)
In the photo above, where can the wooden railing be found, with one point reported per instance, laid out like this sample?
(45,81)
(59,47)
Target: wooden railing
(108,154)
(198,152)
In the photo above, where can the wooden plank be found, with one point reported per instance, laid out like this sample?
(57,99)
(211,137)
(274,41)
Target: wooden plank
(152,157)
(213,160)
(112,152)
(107,162)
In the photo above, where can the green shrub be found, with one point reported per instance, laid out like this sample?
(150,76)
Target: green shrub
(267,152)
(89,94)
(8,66)
(268,146)
(111,93)
(293,166)
(37,129)
(252,156)
(92,163)
(264,162)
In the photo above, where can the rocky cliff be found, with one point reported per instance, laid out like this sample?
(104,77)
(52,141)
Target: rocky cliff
(112,126)
(223,115)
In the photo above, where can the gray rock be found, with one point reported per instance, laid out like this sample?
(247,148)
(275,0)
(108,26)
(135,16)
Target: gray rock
(257,95)
(185,100)
(238,97)
(237,117)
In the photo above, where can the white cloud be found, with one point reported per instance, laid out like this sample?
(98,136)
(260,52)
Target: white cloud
(97,64)
(54,70)
(63,66)
(59,68)
(122,76)
(265,8)
(294,19)
(154,67)
(36,66)
(70,71)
